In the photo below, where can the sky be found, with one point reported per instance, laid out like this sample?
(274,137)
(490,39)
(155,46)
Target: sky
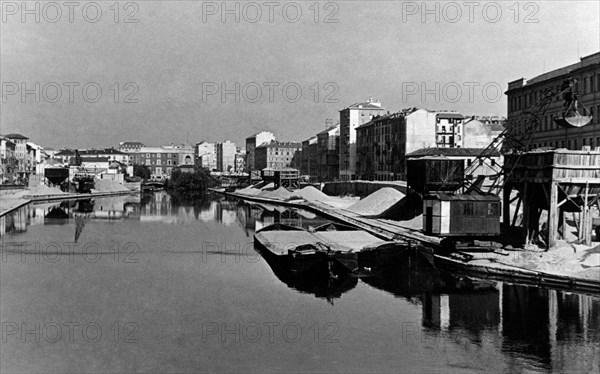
(164,72)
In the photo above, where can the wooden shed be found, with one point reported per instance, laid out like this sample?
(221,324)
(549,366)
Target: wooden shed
(472,215)
(284,177)
(434,173)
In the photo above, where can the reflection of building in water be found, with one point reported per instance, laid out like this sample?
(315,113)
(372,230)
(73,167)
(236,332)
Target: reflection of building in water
(539,328)
(16,221)
(162,207)
(225,212)
(208,214)
(546,323)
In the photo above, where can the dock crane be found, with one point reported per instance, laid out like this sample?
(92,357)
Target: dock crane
(475,197)
(514,142)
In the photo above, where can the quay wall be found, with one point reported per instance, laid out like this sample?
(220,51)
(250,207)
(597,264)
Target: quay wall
(360,188)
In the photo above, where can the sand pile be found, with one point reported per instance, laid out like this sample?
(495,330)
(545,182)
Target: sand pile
(106,185)
(377,202)
(256,189)
(280,193)
(44,190)
(406,209)
(310,193)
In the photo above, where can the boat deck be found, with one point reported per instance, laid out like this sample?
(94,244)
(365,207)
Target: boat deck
(279,242)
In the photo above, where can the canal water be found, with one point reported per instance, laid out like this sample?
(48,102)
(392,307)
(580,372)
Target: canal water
(164,284)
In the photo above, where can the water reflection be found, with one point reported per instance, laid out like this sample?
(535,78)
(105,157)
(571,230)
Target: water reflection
(506,327)
(158,207)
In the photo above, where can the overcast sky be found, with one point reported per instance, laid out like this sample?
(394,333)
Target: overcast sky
(180,53)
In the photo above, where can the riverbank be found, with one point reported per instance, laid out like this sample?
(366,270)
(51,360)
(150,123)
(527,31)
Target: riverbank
(569,266)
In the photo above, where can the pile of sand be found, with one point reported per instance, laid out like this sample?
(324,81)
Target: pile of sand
(281,193)
(106,185)
(377,202)
(44,190)
(256,189)
(309,193)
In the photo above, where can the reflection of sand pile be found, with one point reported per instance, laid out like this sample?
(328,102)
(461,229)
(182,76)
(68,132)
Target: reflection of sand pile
(377,202)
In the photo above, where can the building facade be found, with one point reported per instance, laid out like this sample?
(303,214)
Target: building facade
(22,154)
(8,161)
(328,154)
(479,133)
(277,155)
(240,161)
(383,142)
(226,152)
(254,141)
(449,130)
(350,118)
(205,155)
(159,160)
(130,146)
(522,95)
(309,157)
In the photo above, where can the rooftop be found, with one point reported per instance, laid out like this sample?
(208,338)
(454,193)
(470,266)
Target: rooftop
(276,144)
(583,62)
(369,104)
(16,136)
(329,129)
(450,115)
(451,152)
(94,159)
(462,197)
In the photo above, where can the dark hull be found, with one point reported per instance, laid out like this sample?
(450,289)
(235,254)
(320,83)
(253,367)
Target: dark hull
(317,266)
(383,259)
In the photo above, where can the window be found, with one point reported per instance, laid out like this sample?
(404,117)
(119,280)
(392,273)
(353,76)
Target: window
(493,209)
(468,209)
(147,162)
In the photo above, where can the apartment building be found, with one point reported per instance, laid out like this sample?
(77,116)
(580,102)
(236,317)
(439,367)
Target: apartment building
(254,141)
(350,118)
(328,154)
(523,94)
(277,155)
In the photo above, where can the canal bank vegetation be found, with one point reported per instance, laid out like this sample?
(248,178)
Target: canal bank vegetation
(195,181)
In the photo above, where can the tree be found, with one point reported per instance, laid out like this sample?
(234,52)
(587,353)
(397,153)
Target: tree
(199,180)
(142,171)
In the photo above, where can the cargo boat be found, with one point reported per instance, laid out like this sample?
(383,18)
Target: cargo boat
(296,249)
(363,253)
(330,249)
